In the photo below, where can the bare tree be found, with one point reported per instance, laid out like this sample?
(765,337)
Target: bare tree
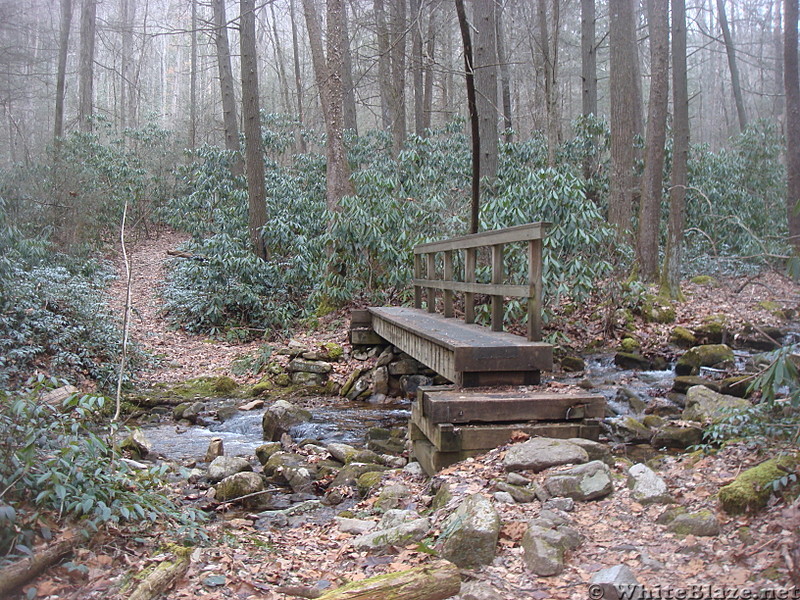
(505,75)
(656,135)
(469,72)
(86,82)
(673,253)
(730,50)
(348,87)
(791,78)
(61,76)
(298,80)
(626,113)
(229,118)
(549,45)
(253,144)
(485,14)
(193,80)
(417,67)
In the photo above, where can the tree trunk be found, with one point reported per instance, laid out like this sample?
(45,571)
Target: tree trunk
(436,581)
(673,253)
(549,70)
(253,144)
(86,82)
(656,135)
(417,67)
(486,85)
(397,53)
(282,79)
(163,576)
(193,80)
(348,87)
(505,75)
(589,77)
(384,63)
(229,118)
(61,76)
(330,91)
(298,80)
(626,113)
(430,47)
(469,71)
(791,79)
(732,64)
(17,574)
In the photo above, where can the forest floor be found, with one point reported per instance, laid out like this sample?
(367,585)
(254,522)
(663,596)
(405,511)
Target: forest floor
(751,554)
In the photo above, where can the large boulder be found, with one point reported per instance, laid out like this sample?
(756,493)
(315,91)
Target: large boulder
(703,404)
(400,535)
(541,453)
(543,550)
(676,436)
(279,417)
(647,486)
(700,523)
(709,355)
(225,466)
(751,490)
(309,366)
(470,533)
(241,484)
(584,482)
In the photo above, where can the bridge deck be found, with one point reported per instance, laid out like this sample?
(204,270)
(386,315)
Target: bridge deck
(468,355)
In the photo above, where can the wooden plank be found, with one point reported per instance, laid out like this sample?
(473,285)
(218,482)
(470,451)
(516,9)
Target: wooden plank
(497,279)
(417,275)
(360,318)
(535,294)
(447,406)
(365,337)
(498,378)
(502,289)
(430,273)
(433,355)
(470,257)
(432,460)
(520,233)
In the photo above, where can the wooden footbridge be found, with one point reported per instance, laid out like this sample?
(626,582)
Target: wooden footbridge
(450,423)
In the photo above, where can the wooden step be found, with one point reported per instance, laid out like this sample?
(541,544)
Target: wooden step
(466,354)
(464,406)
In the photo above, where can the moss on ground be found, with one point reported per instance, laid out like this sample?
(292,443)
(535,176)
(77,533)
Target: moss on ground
(751,490)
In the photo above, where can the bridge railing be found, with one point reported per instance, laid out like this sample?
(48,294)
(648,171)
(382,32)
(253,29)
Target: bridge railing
(425,254)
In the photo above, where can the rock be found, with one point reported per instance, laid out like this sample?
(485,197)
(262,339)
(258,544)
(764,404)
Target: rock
(662,407)
(359,388)
(504,498)
(753,338)
(242,484)
(470,533)
(625,394)
(279,461)
(135,445)
(225,466)
(279,417)
(735,386)
(541,453)
(409,384)
(627,430)
(215,449)
(401,535)
(709,355)
(627,360)
(573,364)
(350,381)
(395,516)
(703,404)
(300,478)
(354,526)
(478,590)
(308,379)
(380,380)
(385,357)
(350,473)
(392,496)
(682,383)
(750,491)
(615,583)
(265,451)
(442,496)
(191,412)
(517,492)
(648,488)
(344,453)
(543,550)
(415,470)
(584,482)
(701,523)
(517,479)
(680,336)
(675,436)
(565,504)
(405,366)
(299,365)
(252,405)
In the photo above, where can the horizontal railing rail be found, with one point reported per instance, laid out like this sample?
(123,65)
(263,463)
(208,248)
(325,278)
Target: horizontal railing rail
(531,233)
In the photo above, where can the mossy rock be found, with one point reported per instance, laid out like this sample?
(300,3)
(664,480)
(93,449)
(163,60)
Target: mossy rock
(652,421)
(776,310)
(709,355)
(700,523)
(629,360)
(736,386)
(705,281)
(265,451)
(442,497)
(683,337)
(629,345)
(332,351)
(368,482)
(751,490)
(572,364)
(262,387)
(656,310)
(713,329)
(682,383)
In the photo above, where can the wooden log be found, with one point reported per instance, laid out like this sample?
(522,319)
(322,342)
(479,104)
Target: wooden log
(435,581)
(164,576)
(15,575)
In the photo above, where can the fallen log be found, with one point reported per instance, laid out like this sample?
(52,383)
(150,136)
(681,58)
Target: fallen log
(15,575)
(164,575)
(435,581)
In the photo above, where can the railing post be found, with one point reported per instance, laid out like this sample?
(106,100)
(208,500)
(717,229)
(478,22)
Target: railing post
(470,255)
(535,284)
(448,276)
(430,259)
(497,278)
(417,275)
